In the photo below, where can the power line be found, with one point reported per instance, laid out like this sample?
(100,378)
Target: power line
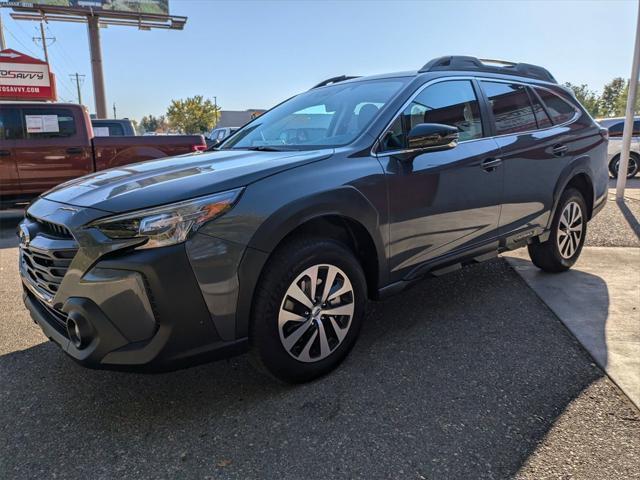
(27,49)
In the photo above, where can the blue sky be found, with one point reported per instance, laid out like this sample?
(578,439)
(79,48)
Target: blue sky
(255,54)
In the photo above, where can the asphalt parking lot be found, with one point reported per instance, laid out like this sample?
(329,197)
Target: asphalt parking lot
(465,376)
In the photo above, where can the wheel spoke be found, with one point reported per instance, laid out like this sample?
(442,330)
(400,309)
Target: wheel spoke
(296,293)
(340,310)
(304,355)
(293,338)
(313,278)
(328,284)
(340,332)
(324,343)
(287,316)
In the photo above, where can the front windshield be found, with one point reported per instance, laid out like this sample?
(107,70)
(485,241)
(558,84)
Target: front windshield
(324,117)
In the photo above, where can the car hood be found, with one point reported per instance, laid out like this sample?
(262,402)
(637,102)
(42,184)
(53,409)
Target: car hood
(168,180)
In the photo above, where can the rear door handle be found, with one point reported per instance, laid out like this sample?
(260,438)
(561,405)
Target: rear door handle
(490,164)
(5,153)
(75,150)
(559,149)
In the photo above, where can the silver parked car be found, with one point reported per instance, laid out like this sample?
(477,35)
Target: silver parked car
(616,127)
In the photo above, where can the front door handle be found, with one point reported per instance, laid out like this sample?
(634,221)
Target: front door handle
(559,149)
(75,150)
(490,164)
(5,153)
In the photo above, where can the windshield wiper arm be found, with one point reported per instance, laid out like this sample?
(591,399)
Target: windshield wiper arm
(266,148)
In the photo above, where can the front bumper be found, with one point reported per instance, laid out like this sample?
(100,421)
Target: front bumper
(138,309)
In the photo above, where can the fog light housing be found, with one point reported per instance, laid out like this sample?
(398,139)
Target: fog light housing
(79,330)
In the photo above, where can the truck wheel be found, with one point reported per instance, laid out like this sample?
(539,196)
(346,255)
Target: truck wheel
(568,232)
(632,169)
(308,309)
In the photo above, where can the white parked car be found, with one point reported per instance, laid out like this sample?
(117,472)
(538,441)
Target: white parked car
(615,127)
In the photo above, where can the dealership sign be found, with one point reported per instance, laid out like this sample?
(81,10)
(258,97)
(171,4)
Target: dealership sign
(153,7)
(25,78)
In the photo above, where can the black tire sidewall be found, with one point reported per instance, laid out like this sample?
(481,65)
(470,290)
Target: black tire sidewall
(616,159)
(282,269)
(571,195)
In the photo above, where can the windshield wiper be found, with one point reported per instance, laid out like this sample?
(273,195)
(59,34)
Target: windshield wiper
(266,148)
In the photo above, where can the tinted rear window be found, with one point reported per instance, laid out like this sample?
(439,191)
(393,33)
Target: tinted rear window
(541,115)
(560,110)
(104,129)
(511,108)
(10,124)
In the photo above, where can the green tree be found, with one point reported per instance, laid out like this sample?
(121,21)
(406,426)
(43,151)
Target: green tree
(193,115)
(588,98)
(153,124)
(610,98)
(621,105)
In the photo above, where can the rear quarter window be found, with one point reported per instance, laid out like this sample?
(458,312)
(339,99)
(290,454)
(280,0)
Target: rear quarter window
(559,109)
(512,111)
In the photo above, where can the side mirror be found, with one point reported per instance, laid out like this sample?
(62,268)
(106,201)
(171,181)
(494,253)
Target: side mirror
(432,136)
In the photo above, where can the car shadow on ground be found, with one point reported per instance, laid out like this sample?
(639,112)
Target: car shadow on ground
(459,377)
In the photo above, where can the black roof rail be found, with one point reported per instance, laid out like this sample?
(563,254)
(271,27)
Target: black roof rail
(329,81)
(459,62)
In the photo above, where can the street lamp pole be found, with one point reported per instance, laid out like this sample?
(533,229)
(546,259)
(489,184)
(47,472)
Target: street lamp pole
(628,122)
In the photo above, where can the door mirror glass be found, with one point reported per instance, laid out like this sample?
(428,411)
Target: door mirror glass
(432,136)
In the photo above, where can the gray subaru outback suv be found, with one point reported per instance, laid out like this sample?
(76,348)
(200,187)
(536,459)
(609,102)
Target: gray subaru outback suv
(273,243)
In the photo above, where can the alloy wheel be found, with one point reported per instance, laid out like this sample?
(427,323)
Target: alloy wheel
(316,312)
(570,229)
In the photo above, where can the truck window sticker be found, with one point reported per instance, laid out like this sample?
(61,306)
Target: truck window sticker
(42,123)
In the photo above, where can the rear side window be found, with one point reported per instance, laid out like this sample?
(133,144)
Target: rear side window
(560,110)
(451,103)
(617,129)
(10,124)
(48,122)
(511,108)
(541,115)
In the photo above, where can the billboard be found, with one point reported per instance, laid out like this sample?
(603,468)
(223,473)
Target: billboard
(25,78)
(152,7)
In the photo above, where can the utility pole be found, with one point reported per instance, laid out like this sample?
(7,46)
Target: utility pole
(114,110)
(3,45)
(96,67)
(43,38)
(628,122)
(77,77)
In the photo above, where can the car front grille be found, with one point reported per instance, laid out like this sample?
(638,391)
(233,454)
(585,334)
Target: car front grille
(45,258)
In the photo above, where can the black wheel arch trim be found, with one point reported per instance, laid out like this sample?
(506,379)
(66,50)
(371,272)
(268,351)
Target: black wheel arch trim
(578,166)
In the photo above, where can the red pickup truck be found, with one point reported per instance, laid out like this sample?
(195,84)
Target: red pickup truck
(45,144)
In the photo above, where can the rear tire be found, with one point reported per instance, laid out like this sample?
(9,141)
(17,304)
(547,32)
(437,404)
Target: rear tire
(633,167)
(568,233)
(299,331)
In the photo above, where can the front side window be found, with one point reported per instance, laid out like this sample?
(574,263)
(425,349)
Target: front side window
(48,122)
(10,124)
(559,110)
(451,103)
(512,111)
(323,117)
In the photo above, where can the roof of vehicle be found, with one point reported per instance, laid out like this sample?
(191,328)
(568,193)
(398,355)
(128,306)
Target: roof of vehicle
(110,120)
(460,65)
(41,104)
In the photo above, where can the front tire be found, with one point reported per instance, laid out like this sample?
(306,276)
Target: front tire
(632,168)
(568,233)
(308,309)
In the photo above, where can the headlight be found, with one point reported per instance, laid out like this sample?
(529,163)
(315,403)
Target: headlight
(169,224)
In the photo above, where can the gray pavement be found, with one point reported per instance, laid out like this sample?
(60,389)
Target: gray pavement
(599,302)
(469,375)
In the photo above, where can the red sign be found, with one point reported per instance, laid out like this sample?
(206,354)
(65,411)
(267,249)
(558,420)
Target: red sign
(25,78)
